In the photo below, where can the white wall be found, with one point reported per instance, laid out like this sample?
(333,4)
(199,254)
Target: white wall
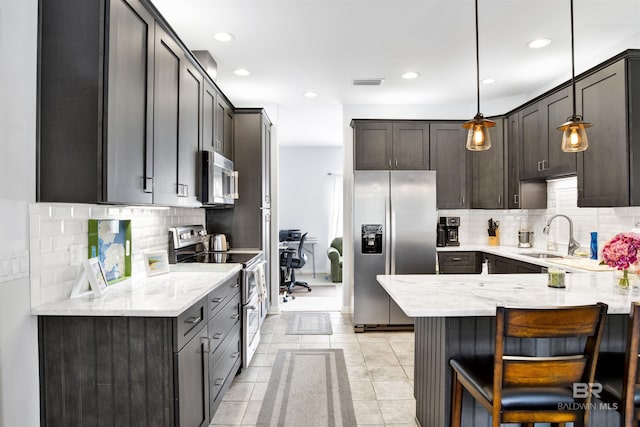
(19,402)
(305,191)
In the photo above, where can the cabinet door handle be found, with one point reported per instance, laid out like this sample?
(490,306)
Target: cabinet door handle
(219,381)
(235,285)
(539,167)
(235,355)
(218,299)
(193,320)
(499,200)
(235,316)
(456,259)
(389,163)
(147,184)
(396,163)
(218,335)
(462,199)
(516,199)
(205,345)
(545,165)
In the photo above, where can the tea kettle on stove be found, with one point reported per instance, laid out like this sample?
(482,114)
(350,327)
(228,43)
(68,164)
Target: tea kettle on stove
(219,243)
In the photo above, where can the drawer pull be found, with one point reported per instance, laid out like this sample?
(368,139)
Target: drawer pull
(456,259)
(235,316)
(193,320)
(217,299)
(218,335)
(235,285)
(219,381)
(235,355)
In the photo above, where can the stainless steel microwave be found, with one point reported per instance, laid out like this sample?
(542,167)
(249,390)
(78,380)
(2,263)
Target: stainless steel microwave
(219,180)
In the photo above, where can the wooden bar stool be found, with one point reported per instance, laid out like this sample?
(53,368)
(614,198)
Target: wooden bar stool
(618,374)
(528,389)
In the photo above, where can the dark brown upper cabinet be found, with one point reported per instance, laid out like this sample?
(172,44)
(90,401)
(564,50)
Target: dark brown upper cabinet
(382,145)
(540,153)
(608,171)
(448,157)
(488,188)
(122,106)
(95,140)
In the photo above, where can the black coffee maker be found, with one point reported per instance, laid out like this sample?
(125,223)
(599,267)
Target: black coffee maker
(448,231)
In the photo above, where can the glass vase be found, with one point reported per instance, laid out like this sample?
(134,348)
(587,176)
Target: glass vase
(622,279)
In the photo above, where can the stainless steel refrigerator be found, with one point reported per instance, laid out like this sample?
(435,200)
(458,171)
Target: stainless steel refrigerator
(394,232)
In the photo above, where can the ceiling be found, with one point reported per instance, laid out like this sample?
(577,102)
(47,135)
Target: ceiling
(294,46)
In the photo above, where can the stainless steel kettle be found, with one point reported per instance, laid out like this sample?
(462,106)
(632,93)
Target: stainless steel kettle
(220,242)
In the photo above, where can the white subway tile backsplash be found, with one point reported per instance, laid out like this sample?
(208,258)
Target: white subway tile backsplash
(53,259)
(34,225)
(73,226)
(65,274)
(56,226)
(561,199)
(46,244)
(50,227)
(62,242)
(61,211)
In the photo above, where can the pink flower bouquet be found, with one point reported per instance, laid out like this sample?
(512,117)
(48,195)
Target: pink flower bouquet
(621,252)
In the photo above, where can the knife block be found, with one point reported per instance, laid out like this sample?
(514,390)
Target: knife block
(495,240)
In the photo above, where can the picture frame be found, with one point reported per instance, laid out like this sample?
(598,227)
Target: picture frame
(156,263)
(91,280)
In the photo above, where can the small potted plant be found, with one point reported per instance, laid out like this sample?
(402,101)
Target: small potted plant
(621,253)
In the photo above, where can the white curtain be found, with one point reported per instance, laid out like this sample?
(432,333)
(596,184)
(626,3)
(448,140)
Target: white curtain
(335,206)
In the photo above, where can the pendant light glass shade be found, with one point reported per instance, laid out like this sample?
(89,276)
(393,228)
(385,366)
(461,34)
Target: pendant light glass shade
(478,138)
(574,137)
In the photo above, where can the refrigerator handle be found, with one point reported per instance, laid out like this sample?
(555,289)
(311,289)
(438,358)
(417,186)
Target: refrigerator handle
(393,239)
(387,237)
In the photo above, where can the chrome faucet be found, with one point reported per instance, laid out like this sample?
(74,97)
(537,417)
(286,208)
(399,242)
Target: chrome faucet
(573,244)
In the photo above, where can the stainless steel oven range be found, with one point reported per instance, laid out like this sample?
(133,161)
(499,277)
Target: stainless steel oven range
(190,244)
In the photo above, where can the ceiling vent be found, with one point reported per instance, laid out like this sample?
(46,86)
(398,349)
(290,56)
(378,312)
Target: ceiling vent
(368,82)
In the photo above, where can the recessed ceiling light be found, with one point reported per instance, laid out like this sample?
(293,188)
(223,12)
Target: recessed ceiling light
(310,94)
(224,37)
(488,81)
(538,43)
(410,75)
(242,72)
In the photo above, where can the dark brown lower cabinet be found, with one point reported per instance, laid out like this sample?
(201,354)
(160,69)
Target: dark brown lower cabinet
(142,371)
(502,265)
(459,262)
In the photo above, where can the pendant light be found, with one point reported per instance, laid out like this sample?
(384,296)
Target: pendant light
(478,138)
(574,136)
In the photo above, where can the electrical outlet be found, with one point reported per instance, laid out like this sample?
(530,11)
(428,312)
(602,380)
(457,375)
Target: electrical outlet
(75,257)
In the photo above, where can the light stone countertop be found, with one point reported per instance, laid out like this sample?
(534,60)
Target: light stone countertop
(165,295)
(567,263)
(451,295)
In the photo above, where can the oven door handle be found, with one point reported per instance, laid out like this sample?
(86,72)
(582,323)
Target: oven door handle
(253,268)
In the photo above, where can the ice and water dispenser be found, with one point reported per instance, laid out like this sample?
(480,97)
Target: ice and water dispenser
(372,238)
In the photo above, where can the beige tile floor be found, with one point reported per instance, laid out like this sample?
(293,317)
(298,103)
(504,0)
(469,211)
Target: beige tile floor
(379,365)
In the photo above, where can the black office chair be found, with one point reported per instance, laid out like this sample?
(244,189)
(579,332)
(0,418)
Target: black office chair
(289,263)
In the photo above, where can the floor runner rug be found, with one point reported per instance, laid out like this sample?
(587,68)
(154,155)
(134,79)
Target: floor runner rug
(308,388)
(309,324)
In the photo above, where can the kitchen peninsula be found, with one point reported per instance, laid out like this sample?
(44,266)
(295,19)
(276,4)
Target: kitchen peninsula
(455,315)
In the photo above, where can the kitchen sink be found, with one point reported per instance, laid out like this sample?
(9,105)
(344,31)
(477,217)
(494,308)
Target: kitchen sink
(540,255)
